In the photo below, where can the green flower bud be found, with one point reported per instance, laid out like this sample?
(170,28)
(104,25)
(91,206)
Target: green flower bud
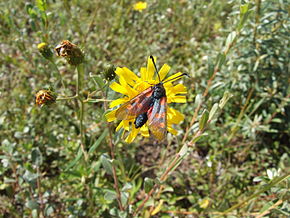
(109,73)
(45,50)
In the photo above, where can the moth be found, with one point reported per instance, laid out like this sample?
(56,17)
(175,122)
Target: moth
(150,105)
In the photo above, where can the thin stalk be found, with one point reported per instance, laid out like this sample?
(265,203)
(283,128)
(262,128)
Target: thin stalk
(80,70)
(112,154)
(39,192)
(56,68)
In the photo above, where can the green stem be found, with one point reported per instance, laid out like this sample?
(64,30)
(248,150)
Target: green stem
(266,188)
(66,98)
(80,71)
(56,68)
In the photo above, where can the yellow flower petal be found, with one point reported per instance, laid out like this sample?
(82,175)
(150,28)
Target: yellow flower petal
(119,126)
(173,76)
(126,124)
(127,74)
(111,116)
(150,69)
(118,102)
(177,99)
(132,134)
(144,131)
(174,116)
(118,88)
(171,130)
(163,72)
(180,89)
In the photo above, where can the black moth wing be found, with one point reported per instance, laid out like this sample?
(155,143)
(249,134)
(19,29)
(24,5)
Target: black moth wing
(157,118)
(136,106)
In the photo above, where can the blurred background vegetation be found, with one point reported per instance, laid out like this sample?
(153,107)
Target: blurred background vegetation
(231,171)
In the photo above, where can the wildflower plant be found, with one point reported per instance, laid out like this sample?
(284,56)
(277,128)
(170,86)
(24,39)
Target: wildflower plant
(67,160)
(131,85)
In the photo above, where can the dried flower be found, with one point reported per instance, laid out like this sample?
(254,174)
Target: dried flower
(45,97)
(71,52)
(45,50)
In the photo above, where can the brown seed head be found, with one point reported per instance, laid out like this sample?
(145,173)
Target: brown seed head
(70,51)
(45,97)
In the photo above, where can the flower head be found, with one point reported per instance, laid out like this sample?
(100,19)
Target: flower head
(140,6)
(70,51)
(109,73)
(131,85)
(45,50)
(45,97)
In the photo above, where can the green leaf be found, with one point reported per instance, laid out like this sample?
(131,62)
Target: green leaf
(148,184)
(36,157)
(224,100)
(183,150)
(32,204)
(110,195)
(203,120)
(198,99)
(213,111)
(244,15)
(98,142)
(127,186)
(107,164)
(77,158)
(220,60)
(41,4)
(210,67)
(198,138)
(124,197)
(230,39)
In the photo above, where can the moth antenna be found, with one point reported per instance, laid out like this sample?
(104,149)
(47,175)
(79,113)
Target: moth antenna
(181,75)
(155,67)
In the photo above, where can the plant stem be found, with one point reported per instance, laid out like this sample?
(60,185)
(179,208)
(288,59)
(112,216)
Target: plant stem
(39,192)
(56,68)
(80,71)
(112,154)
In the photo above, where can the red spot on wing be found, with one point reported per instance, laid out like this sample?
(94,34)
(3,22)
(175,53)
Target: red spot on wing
(157,118)
(136,106)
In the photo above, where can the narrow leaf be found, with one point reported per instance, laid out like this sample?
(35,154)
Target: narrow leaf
(203,120)
(148,184)
(107,164)
(98,142)
(213,111)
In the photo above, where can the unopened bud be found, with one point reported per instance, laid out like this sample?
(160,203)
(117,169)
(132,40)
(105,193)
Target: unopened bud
(71,52)
(109,73)
(45,97)
(45,50)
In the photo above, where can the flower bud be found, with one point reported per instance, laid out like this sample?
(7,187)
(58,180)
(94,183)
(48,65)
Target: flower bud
(45,97)
(109,73)
(45,50)
(71,52)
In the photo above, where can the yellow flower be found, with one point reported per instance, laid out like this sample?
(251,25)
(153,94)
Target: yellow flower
(140,6)
(131,85)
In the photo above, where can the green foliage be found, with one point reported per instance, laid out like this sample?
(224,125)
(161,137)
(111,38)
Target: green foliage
(231,154)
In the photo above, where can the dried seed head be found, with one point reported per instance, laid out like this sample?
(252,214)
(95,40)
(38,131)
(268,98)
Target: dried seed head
(71,52)
(45,50)
(45,97)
